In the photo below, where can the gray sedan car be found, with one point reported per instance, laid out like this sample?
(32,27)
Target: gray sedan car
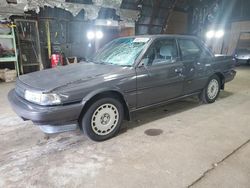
(126,75)
(242,56)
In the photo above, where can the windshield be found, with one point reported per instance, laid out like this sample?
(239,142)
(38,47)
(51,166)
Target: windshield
(123,51)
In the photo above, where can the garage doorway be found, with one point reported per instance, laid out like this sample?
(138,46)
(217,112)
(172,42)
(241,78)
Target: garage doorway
(243,41)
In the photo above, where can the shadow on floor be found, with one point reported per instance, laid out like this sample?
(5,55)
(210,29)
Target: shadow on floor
(225,94)
(153,114)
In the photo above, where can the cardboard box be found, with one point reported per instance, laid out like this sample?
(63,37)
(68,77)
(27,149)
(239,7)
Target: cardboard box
(2,74)
(8,75)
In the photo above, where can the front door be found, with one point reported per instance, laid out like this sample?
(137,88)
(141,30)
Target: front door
(159,77)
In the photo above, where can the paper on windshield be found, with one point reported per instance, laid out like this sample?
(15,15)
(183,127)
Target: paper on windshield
(143,40)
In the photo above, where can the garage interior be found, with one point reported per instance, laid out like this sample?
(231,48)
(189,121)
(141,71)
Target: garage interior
(181,144)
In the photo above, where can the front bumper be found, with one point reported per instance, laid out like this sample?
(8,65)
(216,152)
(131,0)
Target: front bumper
(229,76)
(241,61)
(45,115)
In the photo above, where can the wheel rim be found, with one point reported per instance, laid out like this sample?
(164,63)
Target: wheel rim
(105,119)
(212,89)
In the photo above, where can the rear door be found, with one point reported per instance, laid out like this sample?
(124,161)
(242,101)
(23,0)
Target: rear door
(197,63)
(159,77)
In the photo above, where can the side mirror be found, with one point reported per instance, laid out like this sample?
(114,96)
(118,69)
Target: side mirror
(144,62)
(174,60)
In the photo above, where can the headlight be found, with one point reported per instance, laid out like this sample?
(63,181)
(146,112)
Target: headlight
(42,98)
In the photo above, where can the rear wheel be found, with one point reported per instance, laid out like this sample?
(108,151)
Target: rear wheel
(103,119)
(212,90)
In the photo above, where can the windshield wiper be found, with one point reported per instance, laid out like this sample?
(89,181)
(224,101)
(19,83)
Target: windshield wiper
(98,62)
(126,65)
(110,63)
(118,64)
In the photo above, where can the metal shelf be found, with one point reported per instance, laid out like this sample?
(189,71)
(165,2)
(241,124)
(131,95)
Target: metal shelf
(6,36)
(11,59)
(31,64)
(8,59)
(29,45)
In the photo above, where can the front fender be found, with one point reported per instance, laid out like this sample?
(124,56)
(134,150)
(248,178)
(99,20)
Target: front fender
(86,101)
(102,90)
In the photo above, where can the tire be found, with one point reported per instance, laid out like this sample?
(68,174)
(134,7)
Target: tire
(212,90)
(103,119)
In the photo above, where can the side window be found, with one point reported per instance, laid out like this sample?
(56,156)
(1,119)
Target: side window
(161,52)
(189,49)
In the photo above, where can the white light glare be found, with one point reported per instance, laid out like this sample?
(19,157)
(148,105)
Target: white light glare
(109,22)
(90,35)
(219,34)
(99,34)
(210,34)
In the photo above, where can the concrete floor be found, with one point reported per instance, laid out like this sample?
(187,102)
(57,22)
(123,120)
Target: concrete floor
(200,146)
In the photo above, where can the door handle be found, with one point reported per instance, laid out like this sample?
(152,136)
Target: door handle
(178,70)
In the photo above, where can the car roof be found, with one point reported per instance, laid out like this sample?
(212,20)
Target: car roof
(163,36)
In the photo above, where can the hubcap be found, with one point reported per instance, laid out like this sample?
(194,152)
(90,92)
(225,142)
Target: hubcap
(212,89)
(104,119)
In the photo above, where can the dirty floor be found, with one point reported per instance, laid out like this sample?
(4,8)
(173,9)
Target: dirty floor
(184,144)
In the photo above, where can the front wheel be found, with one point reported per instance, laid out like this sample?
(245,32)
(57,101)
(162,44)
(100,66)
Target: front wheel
(212,90)
(103,119)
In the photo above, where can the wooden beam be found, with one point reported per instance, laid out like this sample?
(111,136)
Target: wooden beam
(156,7)
(170,11)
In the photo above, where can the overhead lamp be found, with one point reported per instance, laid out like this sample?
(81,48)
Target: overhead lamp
(90,35)
(210,34)
(94,35)
(99,34)
(215,34)
(219,34)
(109,22)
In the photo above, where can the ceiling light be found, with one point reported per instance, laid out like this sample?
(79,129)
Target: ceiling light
(99,34)
(210,34)
(90,35)
(109,22)
(219,34)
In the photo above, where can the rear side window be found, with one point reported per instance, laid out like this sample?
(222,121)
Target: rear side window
(189,49)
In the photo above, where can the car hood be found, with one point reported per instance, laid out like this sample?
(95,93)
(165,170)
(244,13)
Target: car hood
(51,79)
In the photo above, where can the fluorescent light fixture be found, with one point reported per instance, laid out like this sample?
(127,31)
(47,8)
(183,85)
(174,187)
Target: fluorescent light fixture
(210,34)
(90,35)
(99,34)
(215,34)
(109,22)
(219,34)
